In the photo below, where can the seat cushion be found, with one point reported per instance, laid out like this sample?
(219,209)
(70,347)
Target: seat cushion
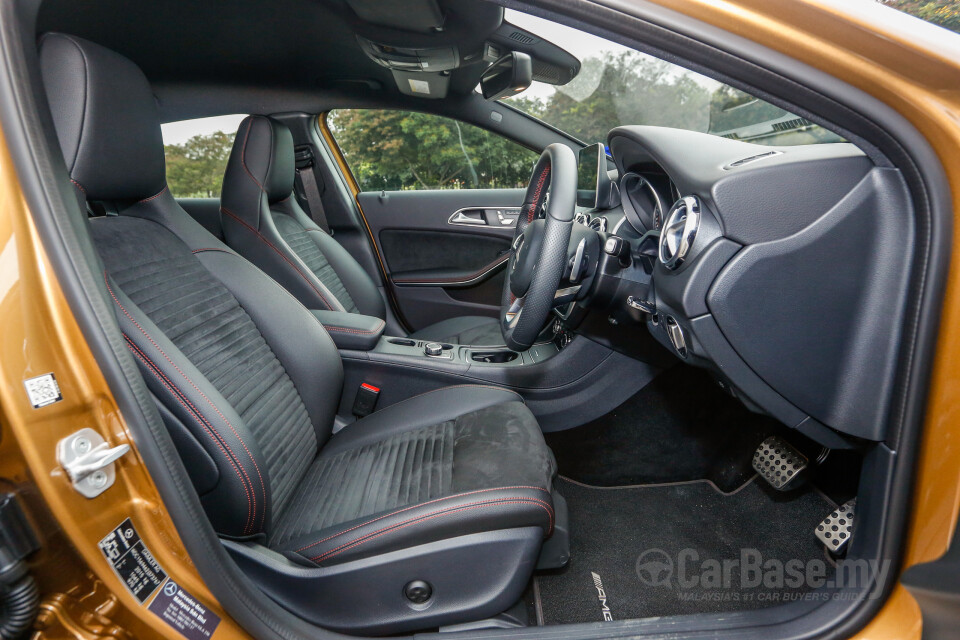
(471,330)
(397,478)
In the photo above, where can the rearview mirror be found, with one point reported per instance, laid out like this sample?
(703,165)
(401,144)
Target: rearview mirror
(508,76)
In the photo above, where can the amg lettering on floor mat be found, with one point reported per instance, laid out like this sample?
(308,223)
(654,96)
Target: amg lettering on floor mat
(132,561)
(602,596)
(683,548)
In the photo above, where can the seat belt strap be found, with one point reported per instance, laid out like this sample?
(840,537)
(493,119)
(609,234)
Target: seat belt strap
(308,181)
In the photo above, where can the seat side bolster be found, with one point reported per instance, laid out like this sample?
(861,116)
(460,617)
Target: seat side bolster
(451,516)
(240,503)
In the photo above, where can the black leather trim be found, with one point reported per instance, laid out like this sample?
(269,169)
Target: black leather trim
(443,278)
(351,330)
(104,102)
(455,515)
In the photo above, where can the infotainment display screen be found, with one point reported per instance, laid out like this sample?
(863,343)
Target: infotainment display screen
(588,173)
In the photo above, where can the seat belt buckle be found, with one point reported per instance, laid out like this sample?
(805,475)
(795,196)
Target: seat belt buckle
(366,400)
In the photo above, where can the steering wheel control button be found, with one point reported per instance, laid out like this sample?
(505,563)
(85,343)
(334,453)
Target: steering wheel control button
(679,232)
(433,349)
(418,591)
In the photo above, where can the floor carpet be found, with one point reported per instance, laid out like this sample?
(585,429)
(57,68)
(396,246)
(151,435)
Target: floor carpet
(681,426)
(626,544)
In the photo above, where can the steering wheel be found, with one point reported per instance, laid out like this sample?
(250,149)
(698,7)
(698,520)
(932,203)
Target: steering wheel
(538,254)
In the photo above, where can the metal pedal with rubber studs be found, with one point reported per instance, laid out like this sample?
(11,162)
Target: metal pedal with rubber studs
(777,462)
(837,528)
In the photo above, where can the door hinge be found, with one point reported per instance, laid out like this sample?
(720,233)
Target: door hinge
(88,461)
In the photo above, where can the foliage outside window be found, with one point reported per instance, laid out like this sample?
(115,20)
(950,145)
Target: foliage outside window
(394,150)
(945,13)
(619,86)
(196,153)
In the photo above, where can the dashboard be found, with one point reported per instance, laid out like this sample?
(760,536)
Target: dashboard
(781,270)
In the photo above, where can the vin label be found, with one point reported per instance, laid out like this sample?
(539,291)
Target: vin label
(184,613)
(132,561)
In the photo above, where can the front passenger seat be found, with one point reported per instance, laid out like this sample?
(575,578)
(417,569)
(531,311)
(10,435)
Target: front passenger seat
(263,222)
(428,512)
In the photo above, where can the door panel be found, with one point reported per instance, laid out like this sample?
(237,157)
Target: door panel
(444,250)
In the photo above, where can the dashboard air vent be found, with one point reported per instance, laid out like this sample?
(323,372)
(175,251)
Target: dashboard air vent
(679,231)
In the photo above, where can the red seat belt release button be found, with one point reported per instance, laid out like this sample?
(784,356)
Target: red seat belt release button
(366,400)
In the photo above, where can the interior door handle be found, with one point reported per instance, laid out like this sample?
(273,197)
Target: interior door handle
(471,217)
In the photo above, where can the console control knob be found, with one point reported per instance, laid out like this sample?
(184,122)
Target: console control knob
(433,349)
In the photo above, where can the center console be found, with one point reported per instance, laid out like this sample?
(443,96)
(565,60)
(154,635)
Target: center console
(464,354)
(565,379)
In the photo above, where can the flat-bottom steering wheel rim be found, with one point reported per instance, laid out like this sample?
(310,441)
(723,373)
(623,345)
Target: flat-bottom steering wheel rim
(521,319)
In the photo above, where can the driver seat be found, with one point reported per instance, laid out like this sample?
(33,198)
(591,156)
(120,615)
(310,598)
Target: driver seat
(431,511)
(263,222)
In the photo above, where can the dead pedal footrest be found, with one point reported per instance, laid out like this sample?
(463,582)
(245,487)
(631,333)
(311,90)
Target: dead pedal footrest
(836,529)
(777,462)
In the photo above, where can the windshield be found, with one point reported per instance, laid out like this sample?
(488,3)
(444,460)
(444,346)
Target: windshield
(619,86)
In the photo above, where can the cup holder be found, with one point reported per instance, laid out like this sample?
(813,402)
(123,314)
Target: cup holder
(403,342)
(494,357)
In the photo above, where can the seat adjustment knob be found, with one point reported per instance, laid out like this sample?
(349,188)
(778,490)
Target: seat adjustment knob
(418,591)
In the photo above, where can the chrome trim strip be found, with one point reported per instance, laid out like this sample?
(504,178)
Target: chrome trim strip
(459,217)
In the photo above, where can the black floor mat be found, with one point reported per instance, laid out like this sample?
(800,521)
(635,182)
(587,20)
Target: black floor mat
(619,535)
(681,426)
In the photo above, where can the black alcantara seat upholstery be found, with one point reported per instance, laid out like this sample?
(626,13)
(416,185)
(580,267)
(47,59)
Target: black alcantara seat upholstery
(263,222)
(248,383)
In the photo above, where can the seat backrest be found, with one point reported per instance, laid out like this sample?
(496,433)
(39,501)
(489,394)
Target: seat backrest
(246,379)
(263,222)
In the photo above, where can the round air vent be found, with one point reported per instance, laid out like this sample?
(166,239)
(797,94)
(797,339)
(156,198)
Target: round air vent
(679,231)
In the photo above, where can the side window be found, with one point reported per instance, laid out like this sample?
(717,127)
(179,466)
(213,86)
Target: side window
(392,150)
(197,152)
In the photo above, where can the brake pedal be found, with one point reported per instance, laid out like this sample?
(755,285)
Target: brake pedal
(779,463)
(837,528)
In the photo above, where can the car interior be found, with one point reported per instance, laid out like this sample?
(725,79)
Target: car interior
(520,403)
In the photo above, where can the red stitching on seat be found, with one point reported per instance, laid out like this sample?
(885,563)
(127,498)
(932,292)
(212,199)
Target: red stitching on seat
(79,185)
(202,394)
(156,195)
(478,505)
(333,327)
(279,252)
(416,506)
(243,153)
(207,427)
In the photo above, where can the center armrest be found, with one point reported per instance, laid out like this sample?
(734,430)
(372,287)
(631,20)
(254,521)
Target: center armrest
(351,330)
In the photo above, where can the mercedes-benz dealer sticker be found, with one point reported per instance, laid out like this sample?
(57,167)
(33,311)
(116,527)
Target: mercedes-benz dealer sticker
(132,561)
(183,612)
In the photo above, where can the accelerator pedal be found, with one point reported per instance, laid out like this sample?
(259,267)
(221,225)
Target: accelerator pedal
(779,463)
(837,528)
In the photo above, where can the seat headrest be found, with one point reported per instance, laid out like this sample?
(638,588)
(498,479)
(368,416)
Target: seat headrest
(262,152)
(106,119)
